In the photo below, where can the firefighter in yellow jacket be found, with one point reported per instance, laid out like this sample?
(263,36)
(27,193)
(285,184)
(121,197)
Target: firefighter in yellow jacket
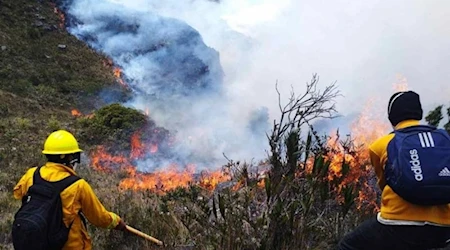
(399,224)
(62,151)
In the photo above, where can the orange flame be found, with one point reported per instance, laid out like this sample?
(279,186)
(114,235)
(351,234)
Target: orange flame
(137,147)
(171,178)
(76,113)
(159,181)
(117,72)
(118,75)
(209,180)
(261,183)
(102,160)
(365,130)
(241,183)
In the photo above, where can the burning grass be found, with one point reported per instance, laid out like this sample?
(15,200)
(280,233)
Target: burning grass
(348,166)
(239,206)
(236,206)
(161,181)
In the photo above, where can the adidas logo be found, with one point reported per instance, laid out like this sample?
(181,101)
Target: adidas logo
(444,172)
(426,140)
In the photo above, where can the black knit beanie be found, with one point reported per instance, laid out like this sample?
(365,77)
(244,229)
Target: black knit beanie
(404,106)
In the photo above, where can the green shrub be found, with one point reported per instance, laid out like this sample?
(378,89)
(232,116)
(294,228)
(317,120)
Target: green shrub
(23,123)
(113,125)
(20,87)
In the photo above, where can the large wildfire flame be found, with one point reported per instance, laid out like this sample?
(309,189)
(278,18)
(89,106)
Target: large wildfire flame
(364,131)
(158,181)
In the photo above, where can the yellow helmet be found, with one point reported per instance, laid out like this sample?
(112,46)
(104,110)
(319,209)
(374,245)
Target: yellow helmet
(61,142)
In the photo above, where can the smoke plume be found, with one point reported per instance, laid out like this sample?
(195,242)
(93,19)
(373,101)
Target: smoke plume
(207,69)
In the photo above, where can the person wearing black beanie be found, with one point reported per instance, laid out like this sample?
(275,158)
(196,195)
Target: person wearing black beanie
(400,224)
(404,106)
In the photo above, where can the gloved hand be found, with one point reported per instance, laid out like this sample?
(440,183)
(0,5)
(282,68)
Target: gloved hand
(121,226)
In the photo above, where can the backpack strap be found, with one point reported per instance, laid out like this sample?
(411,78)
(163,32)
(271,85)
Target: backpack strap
(66,182)
(37,179)
(59,185)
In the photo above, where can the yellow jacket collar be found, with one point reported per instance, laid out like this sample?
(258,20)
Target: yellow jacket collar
(407,123)
(60,167)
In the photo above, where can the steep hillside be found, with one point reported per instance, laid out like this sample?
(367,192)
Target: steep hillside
(44,74)
(40,60)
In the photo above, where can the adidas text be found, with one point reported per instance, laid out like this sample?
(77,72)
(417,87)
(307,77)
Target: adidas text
(415,165)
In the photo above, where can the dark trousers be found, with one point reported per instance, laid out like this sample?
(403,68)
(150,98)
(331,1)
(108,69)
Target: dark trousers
(373,235)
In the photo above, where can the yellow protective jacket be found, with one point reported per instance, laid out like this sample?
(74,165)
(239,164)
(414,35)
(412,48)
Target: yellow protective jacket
(394,209)
(78,196)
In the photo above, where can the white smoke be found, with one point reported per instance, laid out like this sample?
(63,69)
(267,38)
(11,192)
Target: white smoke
(175,76)
(363,45)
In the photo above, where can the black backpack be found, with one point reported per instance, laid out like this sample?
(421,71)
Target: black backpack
(39,222)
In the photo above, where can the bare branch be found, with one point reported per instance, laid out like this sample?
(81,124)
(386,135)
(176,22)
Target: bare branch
(304,108)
